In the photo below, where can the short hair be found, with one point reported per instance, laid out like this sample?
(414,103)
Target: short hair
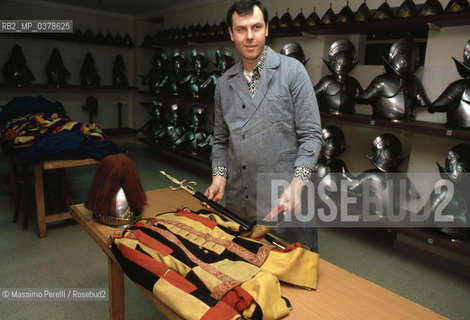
(245,7)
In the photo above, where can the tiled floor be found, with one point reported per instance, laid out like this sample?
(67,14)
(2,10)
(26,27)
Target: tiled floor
(68,258)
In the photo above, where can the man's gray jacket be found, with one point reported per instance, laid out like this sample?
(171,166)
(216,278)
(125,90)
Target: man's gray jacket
(273,132)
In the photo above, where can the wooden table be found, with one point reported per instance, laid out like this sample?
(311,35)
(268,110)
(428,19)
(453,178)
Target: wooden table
(38,168)
(340,294)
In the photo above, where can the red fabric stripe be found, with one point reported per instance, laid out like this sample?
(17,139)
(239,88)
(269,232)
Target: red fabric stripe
(152,243)
(238,298)
(221,311)
(143,260)
(289,249)
(207,222)
(179,281)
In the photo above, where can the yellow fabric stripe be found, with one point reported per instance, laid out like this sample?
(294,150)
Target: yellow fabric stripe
(298,267)
(184,304)
(266,291)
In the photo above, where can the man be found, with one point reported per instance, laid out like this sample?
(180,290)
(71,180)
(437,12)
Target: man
(266,121)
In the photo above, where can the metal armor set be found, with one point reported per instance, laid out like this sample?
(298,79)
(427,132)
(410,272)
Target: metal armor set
(383,182)
(155,127)
(456,171)
(88,73)
(337,92)
(395,94)
(157,77)
(224,60)
(176,84)
(197,75)
(175,131)
(455,100)
(196,137)
(333,144)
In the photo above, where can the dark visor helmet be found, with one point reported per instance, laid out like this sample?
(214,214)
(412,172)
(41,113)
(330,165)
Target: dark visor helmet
(333,142)
(299,21)
(294,50)
(383,12)
(455,6)
(313,19)
(457,163)
(430,8)
(198,115)
(386,152)
(342,57)
(464,67)
(403,57)
(274,23)
(407,9)
(345,15)
(329,17)
(286,21)
(363,13)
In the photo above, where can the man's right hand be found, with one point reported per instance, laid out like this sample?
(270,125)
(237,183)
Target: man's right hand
(216,190)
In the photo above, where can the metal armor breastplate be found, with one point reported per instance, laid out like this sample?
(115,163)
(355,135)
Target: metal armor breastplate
(176,86)
(194,83)
(460,116)
(396,101)
(340,97)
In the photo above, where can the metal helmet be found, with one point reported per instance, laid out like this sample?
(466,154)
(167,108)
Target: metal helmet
(431,8)
(383,12)
(464,67)
(455,6)
(274,23)
(175,114)
(407,9)
(313,19)
(199,58)
(363,13)
(294,50)
(342,57)
(299,21)
(386,152)
(345,15)
(403,57)
(122,217)
(224,58)
(333,142)
(286,21)
(457,163)
(329,17)
(198,115)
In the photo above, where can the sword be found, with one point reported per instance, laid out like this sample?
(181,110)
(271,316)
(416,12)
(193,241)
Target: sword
(250,230)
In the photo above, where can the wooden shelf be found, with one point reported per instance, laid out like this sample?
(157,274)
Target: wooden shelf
(63,37)
(422,127)
(33,86)
(372,26)
(436,239)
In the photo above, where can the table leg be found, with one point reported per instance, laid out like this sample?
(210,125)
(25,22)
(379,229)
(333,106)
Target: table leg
(116,291)
(40,208)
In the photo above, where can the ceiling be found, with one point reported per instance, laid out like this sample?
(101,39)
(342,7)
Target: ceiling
(131,7)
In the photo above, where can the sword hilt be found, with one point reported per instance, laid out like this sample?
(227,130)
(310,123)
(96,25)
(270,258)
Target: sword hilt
(185,184)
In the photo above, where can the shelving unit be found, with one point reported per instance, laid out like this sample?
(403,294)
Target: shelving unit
(422,127)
